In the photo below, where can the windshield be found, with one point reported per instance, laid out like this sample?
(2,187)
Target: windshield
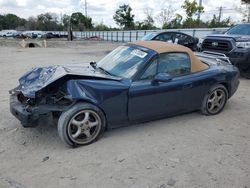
(149,36)
(124,61)
(241,29)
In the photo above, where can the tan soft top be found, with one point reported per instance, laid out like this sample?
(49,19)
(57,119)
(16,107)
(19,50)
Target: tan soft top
(164,47)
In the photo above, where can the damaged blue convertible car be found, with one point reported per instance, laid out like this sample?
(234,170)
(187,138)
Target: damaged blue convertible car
(136,82)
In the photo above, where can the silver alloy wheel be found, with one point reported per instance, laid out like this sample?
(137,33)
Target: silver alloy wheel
(84,126)
(216,101)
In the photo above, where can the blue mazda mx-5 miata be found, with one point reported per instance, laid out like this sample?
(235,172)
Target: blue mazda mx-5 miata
(136,82)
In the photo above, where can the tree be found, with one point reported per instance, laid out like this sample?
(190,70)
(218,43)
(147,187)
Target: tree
(123,17)
(244,9)
(247,13)
(149,21)
(11,21)
(2,22)
(31,24)
(166,15)
(65,21)
(174,23)
(245,1)
(48,22)
(81,22)
(191,8)
(101,27)
(216,23)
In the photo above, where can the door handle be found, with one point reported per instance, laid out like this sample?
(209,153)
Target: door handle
(188,85)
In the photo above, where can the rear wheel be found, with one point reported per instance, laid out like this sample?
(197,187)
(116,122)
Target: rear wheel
(81,125)
(215,100)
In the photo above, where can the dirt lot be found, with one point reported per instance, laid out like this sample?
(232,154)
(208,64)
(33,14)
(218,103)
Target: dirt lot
(186,151)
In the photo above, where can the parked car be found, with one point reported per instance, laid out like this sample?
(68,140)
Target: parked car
(51,35)
(136,82)
(93,38)
(8,33)
(235,44)
(174,37)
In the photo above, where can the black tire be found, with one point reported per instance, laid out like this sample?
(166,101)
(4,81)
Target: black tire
(65,125)
(206,106)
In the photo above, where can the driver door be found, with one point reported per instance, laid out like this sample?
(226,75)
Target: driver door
(149,100)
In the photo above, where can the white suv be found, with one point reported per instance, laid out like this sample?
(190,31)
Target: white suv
(8,33)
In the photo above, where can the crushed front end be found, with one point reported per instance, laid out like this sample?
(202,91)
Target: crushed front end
(30,110)
(55,89)
(36,98)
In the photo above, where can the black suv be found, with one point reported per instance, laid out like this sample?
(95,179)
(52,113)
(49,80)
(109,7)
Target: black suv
(235,44)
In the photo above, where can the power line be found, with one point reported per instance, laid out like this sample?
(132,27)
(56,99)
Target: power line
(224,9)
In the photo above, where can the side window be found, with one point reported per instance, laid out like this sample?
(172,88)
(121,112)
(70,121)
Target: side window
(164,37)
(174,64)
(182,39)
(151,70)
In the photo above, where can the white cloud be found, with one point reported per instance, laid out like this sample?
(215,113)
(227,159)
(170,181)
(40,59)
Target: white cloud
(22,3)
(40,7)
(103,10)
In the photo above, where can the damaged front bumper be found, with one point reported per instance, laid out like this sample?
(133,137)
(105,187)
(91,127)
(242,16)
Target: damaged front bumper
(21,112)
(29,116)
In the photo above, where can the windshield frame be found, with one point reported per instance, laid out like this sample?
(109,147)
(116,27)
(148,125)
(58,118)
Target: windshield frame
(237,26)
(150,54)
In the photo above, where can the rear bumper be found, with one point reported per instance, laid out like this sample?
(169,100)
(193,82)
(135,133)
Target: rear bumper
(234,87)
(239,57)
(234,83)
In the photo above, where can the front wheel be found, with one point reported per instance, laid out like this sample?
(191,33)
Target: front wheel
(215,100)
(81,125)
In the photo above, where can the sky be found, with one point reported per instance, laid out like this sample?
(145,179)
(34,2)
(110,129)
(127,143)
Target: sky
(103,10)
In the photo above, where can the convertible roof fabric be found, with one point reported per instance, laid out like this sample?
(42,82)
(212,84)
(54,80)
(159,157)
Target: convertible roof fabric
(164,47)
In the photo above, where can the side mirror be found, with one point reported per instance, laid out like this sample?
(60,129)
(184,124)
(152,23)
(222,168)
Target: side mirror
(162,77)
(196,40)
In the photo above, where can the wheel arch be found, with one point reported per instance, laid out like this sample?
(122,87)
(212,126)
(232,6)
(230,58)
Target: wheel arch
(227,86)
(95,104)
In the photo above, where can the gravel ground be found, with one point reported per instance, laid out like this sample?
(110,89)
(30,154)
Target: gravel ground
(191,150)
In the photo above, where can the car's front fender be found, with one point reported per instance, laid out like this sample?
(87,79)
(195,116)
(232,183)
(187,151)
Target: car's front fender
(109,95)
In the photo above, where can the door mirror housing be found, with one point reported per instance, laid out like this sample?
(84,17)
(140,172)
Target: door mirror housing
(196,40)
(162,77)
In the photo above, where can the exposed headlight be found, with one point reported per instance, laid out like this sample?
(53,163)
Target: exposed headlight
(243,44)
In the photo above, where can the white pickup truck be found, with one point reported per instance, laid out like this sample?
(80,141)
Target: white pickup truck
(8,33)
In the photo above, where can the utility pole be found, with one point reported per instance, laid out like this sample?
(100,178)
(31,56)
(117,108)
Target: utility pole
(248,16)
(220,12)
(86,9)
(199,13)
(70,33)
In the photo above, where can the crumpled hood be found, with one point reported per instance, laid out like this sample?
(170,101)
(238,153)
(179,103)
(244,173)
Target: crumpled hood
(237,38)
(38,78)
